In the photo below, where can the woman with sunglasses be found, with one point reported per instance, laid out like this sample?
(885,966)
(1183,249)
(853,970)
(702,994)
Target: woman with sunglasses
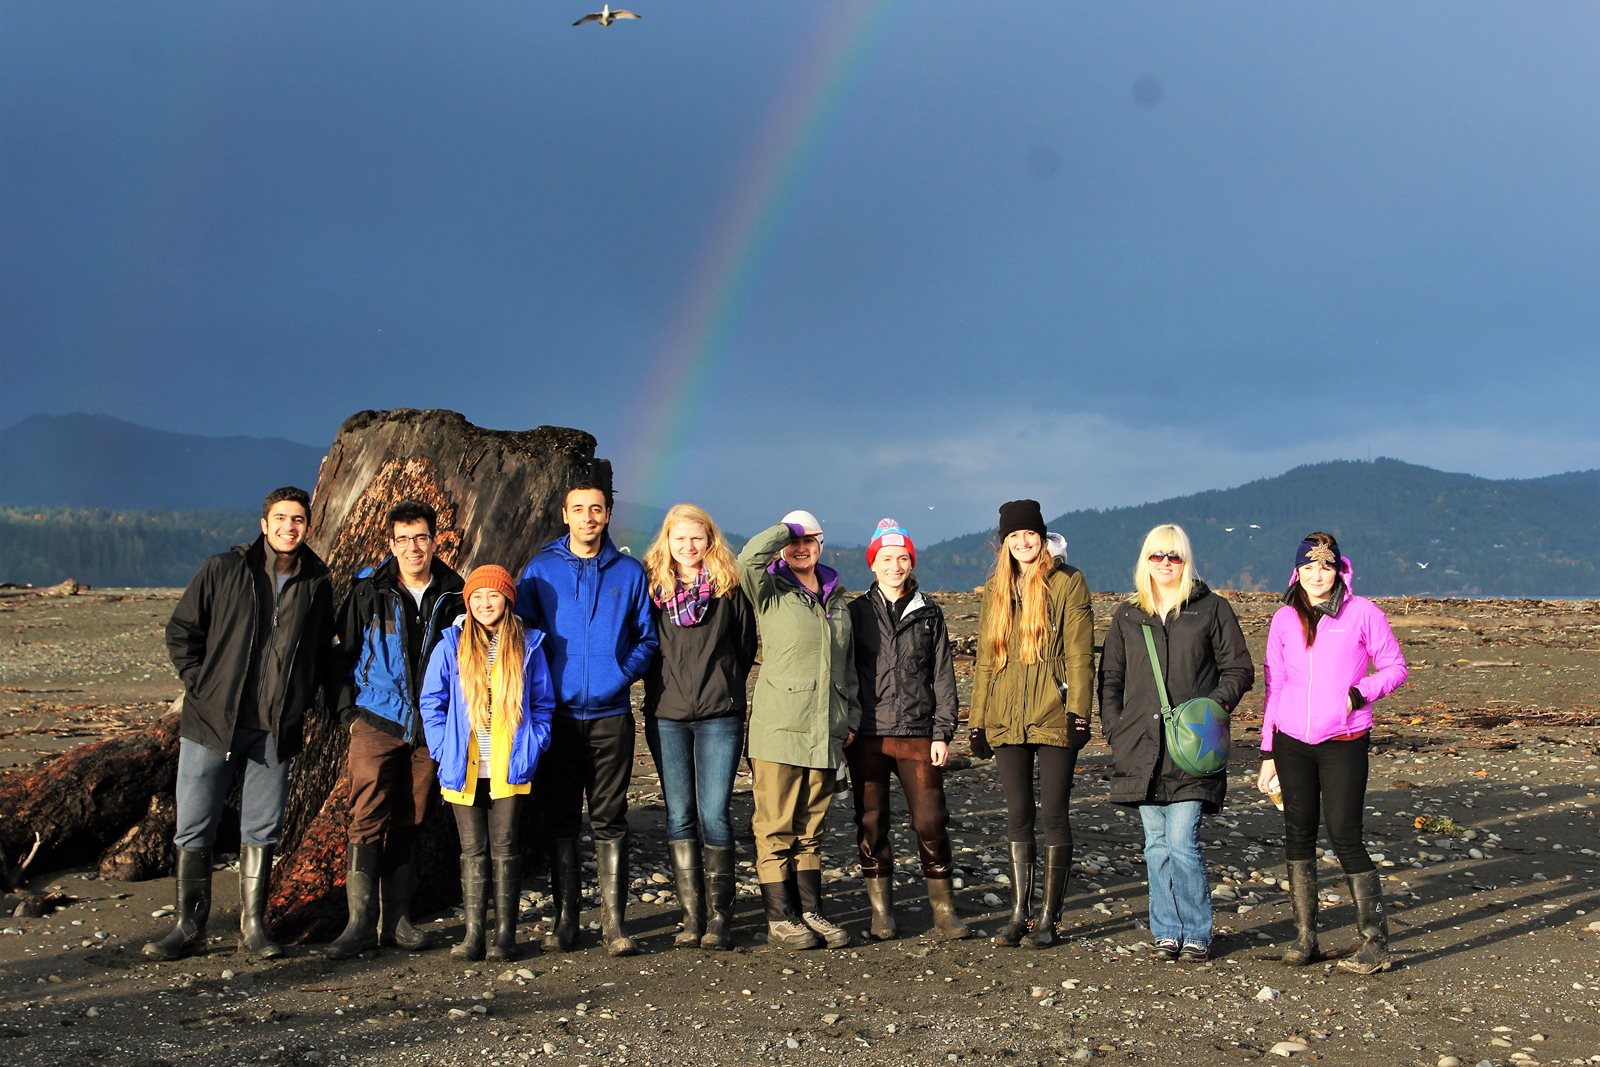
(1201,652)
(1316,729)
(1030,705)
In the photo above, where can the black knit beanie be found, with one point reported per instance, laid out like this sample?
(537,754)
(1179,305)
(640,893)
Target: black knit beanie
(1021,515)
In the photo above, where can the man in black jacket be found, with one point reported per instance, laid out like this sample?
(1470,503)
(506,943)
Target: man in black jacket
(387,629)
(249,639)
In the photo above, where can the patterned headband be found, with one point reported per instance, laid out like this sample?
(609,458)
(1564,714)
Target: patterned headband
(1317,552)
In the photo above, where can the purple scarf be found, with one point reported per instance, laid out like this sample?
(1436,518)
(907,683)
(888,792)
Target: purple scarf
(687,604)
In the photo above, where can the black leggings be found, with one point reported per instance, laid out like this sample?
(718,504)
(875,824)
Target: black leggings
(1323,781)
(488,827)
(1056,765)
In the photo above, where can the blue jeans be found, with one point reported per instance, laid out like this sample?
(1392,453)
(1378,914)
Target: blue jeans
(697,762)
(1180,895)
(205,778)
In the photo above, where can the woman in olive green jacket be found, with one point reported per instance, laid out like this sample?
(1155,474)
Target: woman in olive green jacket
(804,712)
(1031,691)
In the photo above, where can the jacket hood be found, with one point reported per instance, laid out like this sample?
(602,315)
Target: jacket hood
(608,554)
(387,572)
(311,565)
(535,637)
(1346,571)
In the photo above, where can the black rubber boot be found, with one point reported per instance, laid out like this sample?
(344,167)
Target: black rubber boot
(1373,954)
(395,887)
(474,905)
(1303,896)
(880,898)
(507,906)
(784,927)
(1016,927)
(566,883)
(718,897)
(947,925)
(255,872)
(611,860)
(809,887)
(361,903)
(188,934)
(1057,865)
(687,877)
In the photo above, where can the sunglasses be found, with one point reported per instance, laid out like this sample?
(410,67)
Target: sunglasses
(1170,557)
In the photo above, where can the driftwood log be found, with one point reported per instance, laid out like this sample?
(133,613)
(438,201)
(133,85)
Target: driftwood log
(81,802)
(498,495)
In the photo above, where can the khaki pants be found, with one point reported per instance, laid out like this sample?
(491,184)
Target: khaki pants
(791,804)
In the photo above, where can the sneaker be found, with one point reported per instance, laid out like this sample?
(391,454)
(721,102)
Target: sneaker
(791,934)
(1193,953)
(1165,950)
(832,935)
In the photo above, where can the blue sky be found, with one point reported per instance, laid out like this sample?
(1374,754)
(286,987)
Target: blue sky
(1094,253)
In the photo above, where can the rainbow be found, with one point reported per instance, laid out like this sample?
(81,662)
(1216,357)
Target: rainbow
(774,168)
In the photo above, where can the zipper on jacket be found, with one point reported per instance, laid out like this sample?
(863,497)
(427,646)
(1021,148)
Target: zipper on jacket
(1311,677)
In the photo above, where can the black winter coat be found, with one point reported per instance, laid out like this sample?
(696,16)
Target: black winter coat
(1202,653)
(702,670)
(906,672)
(213,636)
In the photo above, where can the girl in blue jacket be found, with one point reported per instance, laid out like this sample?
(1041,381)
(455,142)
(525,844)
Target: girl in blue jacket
(486,711)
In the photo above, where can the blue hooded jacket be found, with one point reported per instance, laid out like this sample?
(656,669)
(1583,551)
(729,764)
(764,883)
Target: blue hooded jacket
(376,674)
(449,726)
(595,612)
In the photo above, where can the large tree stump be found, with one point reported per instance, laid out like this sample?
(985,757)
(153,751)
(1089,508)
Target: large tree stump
(499,497)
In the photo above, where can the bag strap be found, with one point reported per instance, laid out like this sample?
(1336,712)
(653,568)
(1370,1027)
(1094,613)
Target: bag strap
(1155,665)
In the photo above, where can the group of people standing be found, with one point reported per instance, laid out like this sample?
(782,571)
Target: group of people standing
(509,698)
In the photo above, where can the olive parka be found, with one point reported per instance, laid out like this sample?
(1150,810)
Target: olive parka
(805,703)
(1028,703)
(1203,654)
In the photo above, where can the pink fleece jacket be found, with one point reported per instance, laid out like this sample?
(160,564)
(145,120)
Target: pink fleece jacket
(1307,689)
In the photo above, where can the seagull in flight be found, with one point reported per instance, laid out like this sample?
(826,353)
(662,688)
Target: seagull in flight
(1424,566)
(605,16)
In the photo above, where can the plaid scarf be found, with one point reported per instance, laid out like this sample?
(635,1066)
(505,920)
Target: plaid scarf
(687,604)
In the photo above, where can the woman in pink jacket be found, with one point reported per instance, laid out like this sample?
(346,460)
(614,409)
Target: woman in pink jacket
(1315,733)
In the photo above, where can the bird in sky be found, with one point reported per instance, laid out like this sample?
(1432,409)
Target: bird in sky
(605,16)
(1424,566)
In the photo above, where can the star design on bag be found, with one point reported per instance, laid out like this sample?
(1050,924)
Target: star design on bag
(1212,737)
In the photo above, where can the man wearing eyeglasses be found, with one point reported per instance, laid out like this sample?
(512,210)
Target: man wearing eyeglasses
(388,626)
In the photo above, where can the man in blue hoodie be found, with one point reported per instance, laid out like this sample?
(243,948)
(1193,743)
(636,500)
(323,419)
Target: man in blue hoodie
(593,604)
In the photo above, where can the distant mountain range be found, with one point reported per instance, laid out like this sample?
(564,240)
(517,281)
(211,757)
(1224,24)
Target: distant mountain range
(1407,530)
(93,498)
(96,461)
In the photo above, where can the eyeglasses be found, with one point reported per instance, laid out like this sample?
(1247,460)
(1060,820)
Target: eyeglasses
(420,540)
(1170,557)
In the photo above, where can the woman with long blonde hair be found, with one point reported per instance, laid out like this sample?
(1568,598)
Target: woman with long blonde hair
(694,710)
(1201,653)
(1031,692)
(486,704)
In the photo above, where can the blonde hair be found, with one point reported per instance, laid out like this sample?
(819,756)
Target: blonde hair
(1018,599)
(661,570)
(1168,537)
(472,659)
